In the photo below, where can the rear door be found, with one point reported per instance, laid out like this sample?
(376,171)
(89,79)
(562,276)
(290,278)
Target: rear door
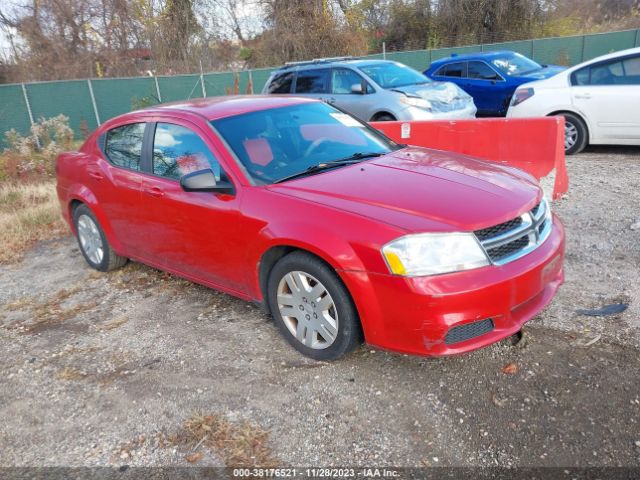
(452,72)
(193,233)
(115,178)
(608,93)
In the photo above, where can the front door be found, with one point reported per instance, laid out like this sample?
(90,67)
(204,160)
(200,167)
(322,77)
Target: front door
(488,89)
(359,105)
(193,233)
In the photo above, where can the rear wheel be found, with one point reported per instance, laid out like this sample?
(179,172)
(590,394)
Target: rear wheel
(312,308)
(93,243)
(575,134)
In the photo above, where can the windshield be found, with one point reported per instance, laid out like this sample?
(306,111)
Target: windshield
(515,64)
(393,75)
(280,142)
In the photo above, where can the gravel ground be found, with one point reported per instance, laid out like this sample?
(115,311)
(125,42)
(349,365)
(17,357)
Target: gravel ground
(104,369)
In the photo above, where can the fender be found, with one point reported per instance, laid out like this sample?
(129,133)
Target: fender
(83,194)
(335,251)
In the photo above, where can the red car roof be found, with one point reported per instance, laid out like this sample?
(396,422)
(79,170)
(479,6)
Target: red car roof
(214,108)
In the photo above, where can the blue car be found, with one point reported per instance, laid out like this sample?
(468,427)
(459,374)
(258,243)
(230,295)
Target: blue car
(490,77)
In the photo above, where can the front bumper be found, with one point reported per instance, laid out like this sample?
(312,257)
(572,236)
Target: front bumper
(414,315)
(415,113)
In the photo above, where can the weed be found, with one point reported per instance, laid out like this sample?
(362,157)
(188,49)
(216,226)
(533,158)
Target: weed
(239,444)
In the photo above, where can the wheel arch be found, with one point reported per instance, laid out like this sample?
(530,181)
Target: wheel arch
(81,195)
(577,114)
(375,116)
(277,251)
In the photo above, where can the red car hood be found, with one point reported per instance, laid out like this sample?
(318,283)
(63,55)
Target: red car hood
(418,190)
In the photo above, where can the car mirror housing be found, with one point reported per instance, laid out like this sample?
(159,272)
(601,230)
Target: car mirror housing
(357,88)
(205,181)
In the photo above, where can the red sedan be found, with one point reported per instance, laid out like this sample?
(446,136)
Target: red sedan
(340,233)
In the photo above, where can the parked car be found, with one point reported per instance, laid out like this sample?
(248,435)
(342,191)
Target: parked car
(372,90)
(599,100)
(490,77)
(336,230)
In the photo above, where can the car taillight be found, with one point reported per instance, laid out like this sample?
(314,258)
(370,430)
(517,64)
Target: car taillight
(521,95)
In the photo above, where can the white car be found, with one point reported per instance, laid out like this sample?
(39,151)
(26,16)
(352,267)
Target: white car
(599,99)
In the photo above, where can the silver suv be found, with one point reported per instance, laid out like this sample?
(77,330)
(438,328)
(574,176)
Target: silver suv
(372,90)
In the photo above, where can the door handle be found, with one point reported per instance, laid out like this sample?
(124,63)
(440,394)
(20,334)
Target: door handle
(585,96)
(95,174)
(154,191)
(331,100)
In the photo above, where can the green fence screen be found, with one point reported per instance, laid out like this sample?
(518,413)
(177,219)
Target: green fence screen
(114,96)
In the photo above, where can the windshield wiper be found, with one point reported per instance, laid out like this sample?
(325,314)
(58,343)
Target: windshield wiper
(355,158)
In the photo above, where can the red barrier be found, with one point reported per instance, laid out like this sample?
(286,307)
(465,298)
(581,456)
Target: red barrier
(535,145)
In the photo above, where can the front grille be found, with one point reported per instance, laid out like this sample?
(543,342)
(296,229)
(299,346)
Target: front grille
(515,238)
(503,251)
(498,229)
(468,331)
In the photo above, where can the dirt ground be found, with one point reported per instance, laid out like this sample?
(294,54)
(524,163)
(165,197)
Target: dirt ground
(105,369)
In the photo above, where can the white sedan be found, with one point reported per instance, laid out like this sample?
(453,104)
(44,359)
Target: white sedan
(599,99)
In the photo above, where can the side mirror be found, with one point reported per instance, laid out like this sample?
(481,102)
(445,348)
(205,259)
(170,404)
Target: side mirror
(205,181)
(357,88)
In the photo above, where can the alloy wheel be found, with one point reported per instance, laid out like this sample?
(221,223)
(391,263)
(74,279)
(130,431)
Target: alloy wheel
(90,239)
(307,309)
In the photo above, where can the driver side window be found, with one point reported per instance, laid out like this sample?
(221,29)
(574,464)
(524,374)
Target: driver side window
(178,150)
(343,80)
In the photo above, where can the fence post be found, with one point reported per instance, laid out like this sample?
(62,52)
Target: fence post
(26,101)
(584,39)
(533,50)
(384,50)
(158,89)
(93,101)
(204,90)
(637,37)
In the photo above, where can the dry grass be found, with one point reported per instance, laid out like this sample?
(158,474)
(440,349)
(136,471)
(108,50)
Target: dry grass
(69,373)
(28,213)
(239,445)
(112,324)
(51,312)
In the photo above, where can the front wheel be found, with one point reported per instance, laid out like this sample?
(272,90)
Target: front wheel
(575,134)
(312,308)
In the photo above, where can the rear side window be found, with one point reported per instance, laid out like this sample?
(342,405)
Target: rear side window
(481,71)
(281,83)
(123,145)
(616,72)
(313,81)
(453,70)
(178,150)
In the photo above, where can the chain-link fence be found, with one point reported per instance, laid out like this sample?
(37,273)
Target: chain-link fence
(90,102)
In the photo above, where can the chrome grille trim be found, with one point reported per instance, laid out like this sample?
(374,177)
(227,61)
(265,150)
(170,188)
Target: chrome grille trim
(535,227)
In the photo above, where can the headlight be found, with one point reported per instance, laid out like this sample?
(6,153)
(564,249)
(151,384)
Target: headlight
(433,253)
(416,102)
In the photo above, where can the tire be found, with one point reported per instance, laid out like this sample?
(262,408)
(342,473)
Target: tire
(93,243)
(576,134)
(383,117)
(327,325)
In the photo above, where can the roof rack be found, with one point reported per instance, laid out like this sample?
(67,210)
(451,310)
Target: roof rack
(320,60)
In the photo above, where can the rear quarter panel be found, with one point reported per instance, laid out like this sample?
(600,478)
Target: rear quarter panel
(72,185)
